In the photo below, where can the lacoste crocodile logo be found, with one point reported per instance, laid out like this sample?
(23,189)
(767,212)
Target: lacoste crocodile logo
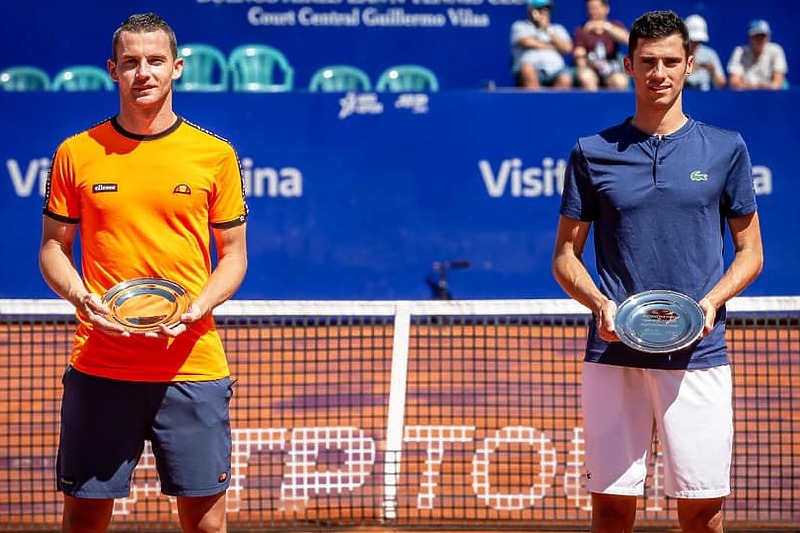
(698,176)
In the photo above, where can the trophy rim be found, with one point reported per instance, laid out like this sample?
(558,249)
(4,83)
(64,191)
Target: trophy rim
(125,291)
(637,303)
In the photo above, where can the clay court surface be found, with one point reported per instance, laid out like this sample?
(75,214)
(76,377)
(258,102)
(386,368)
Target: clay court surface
(491,430)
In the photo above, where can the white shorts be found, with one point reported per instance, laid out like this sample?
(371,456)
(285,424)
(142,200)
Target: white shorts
(693,411)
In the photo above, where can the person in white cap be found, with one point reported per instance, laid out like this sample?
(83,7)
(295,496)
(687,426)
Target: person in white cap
(761,64)
(707,71)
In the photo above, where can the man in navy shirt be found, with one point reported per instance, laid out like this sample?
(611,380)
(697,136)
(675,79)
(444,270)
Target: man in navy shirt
(660,189)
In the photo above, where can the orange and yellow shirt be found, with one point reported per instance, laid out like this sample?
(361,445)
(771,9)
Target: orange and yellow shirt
(145,206)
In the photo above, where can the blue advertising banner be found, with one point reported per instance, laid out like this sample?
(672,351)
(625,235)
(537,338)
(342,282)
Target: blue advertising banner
(364,196)
(465,42)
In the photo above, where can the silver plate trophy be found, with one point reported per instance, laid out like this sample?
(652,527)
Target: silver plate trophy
(144,304)
(659,321)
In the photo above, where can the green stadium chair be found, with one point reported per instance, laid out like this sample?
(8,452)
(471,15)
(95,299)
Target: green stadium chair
(339,78)
(260,68)
(205,69)
(407,78)
(82,78)
(24,78)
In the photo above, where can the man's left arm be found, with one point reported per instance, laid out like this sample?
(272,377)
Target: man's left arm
(230,270)
(777,81)
(226,278)
(747,263)
(780,67)
(560,39)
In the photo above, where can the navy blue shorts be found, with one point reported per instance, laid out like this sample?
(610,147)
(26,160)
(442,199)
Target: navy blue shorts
(105,422)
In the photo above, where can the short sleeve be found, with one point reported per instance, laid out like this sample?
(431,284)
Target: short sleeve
(519,29)
(715,60)
(579,37)
(735,61)
(61,195)
(562,32)
(576,199)
(780,60)
(739,196)
(228,207)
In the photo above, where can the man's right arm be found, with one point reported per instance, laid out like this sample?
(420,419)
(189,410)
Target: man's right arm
(571,273)
(579,51)
(56,261)
(735,70)
(57,265)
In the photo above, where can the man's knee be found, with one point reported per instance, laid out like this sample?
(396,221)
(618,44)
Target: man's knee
(587,77)
(613,513)
(528,77)
(700,515)
(86,515)
(204,514)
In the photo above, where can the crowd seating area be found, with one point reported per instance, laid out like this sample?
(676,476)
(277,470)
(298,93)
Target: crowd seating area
(248,68)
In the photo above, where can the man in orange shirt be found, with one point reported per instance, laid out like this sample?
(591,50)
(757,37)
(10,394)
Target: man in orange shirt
(147,190)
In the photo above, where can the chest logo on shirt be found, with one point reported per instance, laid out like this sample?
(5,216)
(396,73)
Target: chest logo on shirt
(105,187)
(698,176)
(182,188)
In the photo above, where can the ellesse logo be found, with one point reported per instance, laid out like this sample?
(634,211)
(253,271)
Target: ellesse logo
(182,188)
(104,187)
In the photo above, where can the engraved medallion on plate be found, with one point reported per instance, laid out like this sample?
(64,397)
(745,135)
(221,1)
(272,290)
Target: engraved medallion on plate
(144,304)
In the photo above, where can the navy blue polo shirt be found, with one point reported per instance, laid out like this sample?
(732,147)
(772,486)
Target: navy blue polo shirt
(658,206)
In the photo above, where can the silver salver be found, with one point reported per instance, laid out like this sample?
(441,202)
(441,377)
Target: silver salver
(659,321)
(144,304)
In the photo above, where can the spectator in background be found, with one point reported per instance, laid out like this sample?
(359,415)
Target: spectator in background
(597,49)
(538,48)
(707,71)
(761,64)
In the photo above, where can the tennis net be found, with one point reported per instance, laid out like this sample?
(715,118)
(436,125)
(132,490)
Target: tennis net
(420,414)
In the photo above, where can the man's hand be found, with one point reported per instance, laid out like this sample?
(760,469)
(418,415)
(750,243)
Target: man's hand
(92,307)
(192,315)
(709,315)
(605,321)
(596,26)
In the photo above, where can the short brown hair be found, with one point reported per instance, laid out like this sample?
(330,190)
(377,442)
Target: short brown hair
(655,25)
(144,23)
